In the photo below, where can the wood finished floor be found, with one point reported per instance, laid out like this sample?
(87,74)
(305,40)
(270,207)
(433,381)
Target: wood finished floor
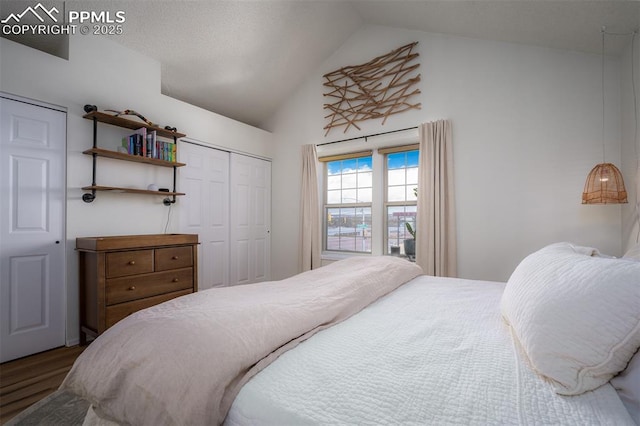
(26,381)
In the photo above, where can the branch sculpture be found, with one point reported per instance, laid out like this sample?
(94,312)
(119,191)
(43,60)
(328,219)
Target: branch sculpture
(376,89)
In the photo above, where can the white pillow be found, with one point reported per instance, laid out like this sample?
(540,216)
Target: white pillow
(576,315)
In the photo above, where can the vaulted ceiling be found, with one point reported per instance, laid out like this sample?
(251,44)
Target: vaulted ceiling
(243,58)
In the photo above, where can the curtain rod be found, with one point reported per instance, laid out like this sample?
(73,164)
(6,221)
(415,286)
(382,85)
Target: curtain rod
(367,136)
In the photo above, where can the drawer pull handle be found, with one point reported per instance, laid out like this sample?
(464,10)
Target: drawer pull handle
(132,288)
(175,280)
(175,258)
(132,262)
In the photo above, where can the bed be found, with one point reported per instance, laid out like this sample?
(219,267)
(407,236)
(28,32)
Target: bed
(382,344)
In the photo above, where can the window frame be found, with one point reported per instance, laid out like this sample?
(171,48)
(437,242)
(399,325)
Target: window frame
(385,200)
(326,206)
(378,220)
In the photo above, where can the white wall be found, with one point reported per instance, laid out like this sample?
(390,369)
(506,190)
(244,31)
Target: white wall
(630,146)
(526,129)
(101,72)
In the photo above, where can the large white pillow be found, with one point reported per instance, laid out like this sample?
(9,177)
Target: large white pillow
(575,314)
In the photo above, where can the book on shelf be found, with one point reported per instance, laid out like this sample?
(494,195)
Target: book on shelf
(145,143)
(141,141)
(165,151)
(127,144)
(137,146)
(151,144)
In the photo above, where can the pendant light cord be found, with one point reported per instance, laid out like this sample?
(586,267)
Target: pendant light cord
(635,96)
(166,226)
(635,136)
(603,31)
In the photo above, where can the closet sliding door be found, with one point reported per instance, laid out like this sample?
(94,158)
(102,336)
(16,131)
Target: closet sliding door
(205,209)
(228,204)
(250,202)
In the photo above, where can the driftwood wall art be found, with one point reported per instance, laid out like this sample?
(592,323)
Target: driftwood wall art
(376,89)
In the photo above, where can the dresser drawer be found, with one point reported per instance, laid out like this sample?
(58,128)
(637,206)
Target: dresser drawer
(173,258)
(125,289)
(115,313)
(125,263)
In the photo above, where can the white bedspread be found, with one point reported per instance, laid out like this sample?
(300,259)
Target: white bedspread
(183,362)
(433,352)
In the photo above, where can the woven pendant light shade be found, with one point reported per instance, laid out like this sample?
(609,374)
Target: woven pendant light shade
(604,186)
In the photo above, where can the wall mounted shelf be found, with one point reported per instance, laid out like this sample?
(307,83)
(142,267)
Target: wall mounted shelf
(129,190)
(95,152)
(134,158)
(130,124)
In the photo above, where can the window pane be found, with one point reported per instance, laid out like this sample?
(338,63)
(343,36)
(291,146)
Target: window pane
(409,217)
(333,197)
(333,229)
(349,180)
(365,195)
(349,229)
(411,194)
(395,160)
(364,163)
(412,176)
(393,227)
(363,230)
(333,167)
(412,158)
(403,179)
(397,217)
(365,180)
(396,177)
(349,196)
(349,166)
(333,182)
(396,193)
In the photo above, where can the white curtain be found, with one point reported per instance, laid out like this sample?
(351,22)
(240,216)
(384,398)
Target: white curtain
(436,217)
(310,232)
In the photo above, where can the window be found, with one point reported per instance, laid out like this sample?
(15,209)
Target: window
(401,182)
(369,197)
(348,196)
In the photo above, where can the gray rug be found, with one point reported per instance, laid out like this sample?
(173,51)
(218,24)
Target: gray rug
(59,408)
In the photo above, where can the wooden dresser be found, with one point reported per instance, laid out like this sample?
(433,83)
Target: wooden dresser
(124,274)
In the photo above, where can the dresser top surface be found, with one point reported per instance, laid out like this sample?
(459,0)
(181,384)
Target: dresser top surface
(119,242)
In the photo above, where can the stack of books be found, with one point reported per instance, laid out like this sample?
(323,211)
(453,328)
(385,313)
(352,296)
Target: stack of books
(145,144)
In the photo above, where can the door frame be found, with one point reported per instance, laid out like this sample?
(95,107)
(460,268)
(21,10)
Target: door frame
(65,246)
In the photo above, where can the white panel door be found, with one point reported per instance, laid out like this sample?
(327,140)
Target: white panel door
(205,209)
(32,246)
(250,204)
